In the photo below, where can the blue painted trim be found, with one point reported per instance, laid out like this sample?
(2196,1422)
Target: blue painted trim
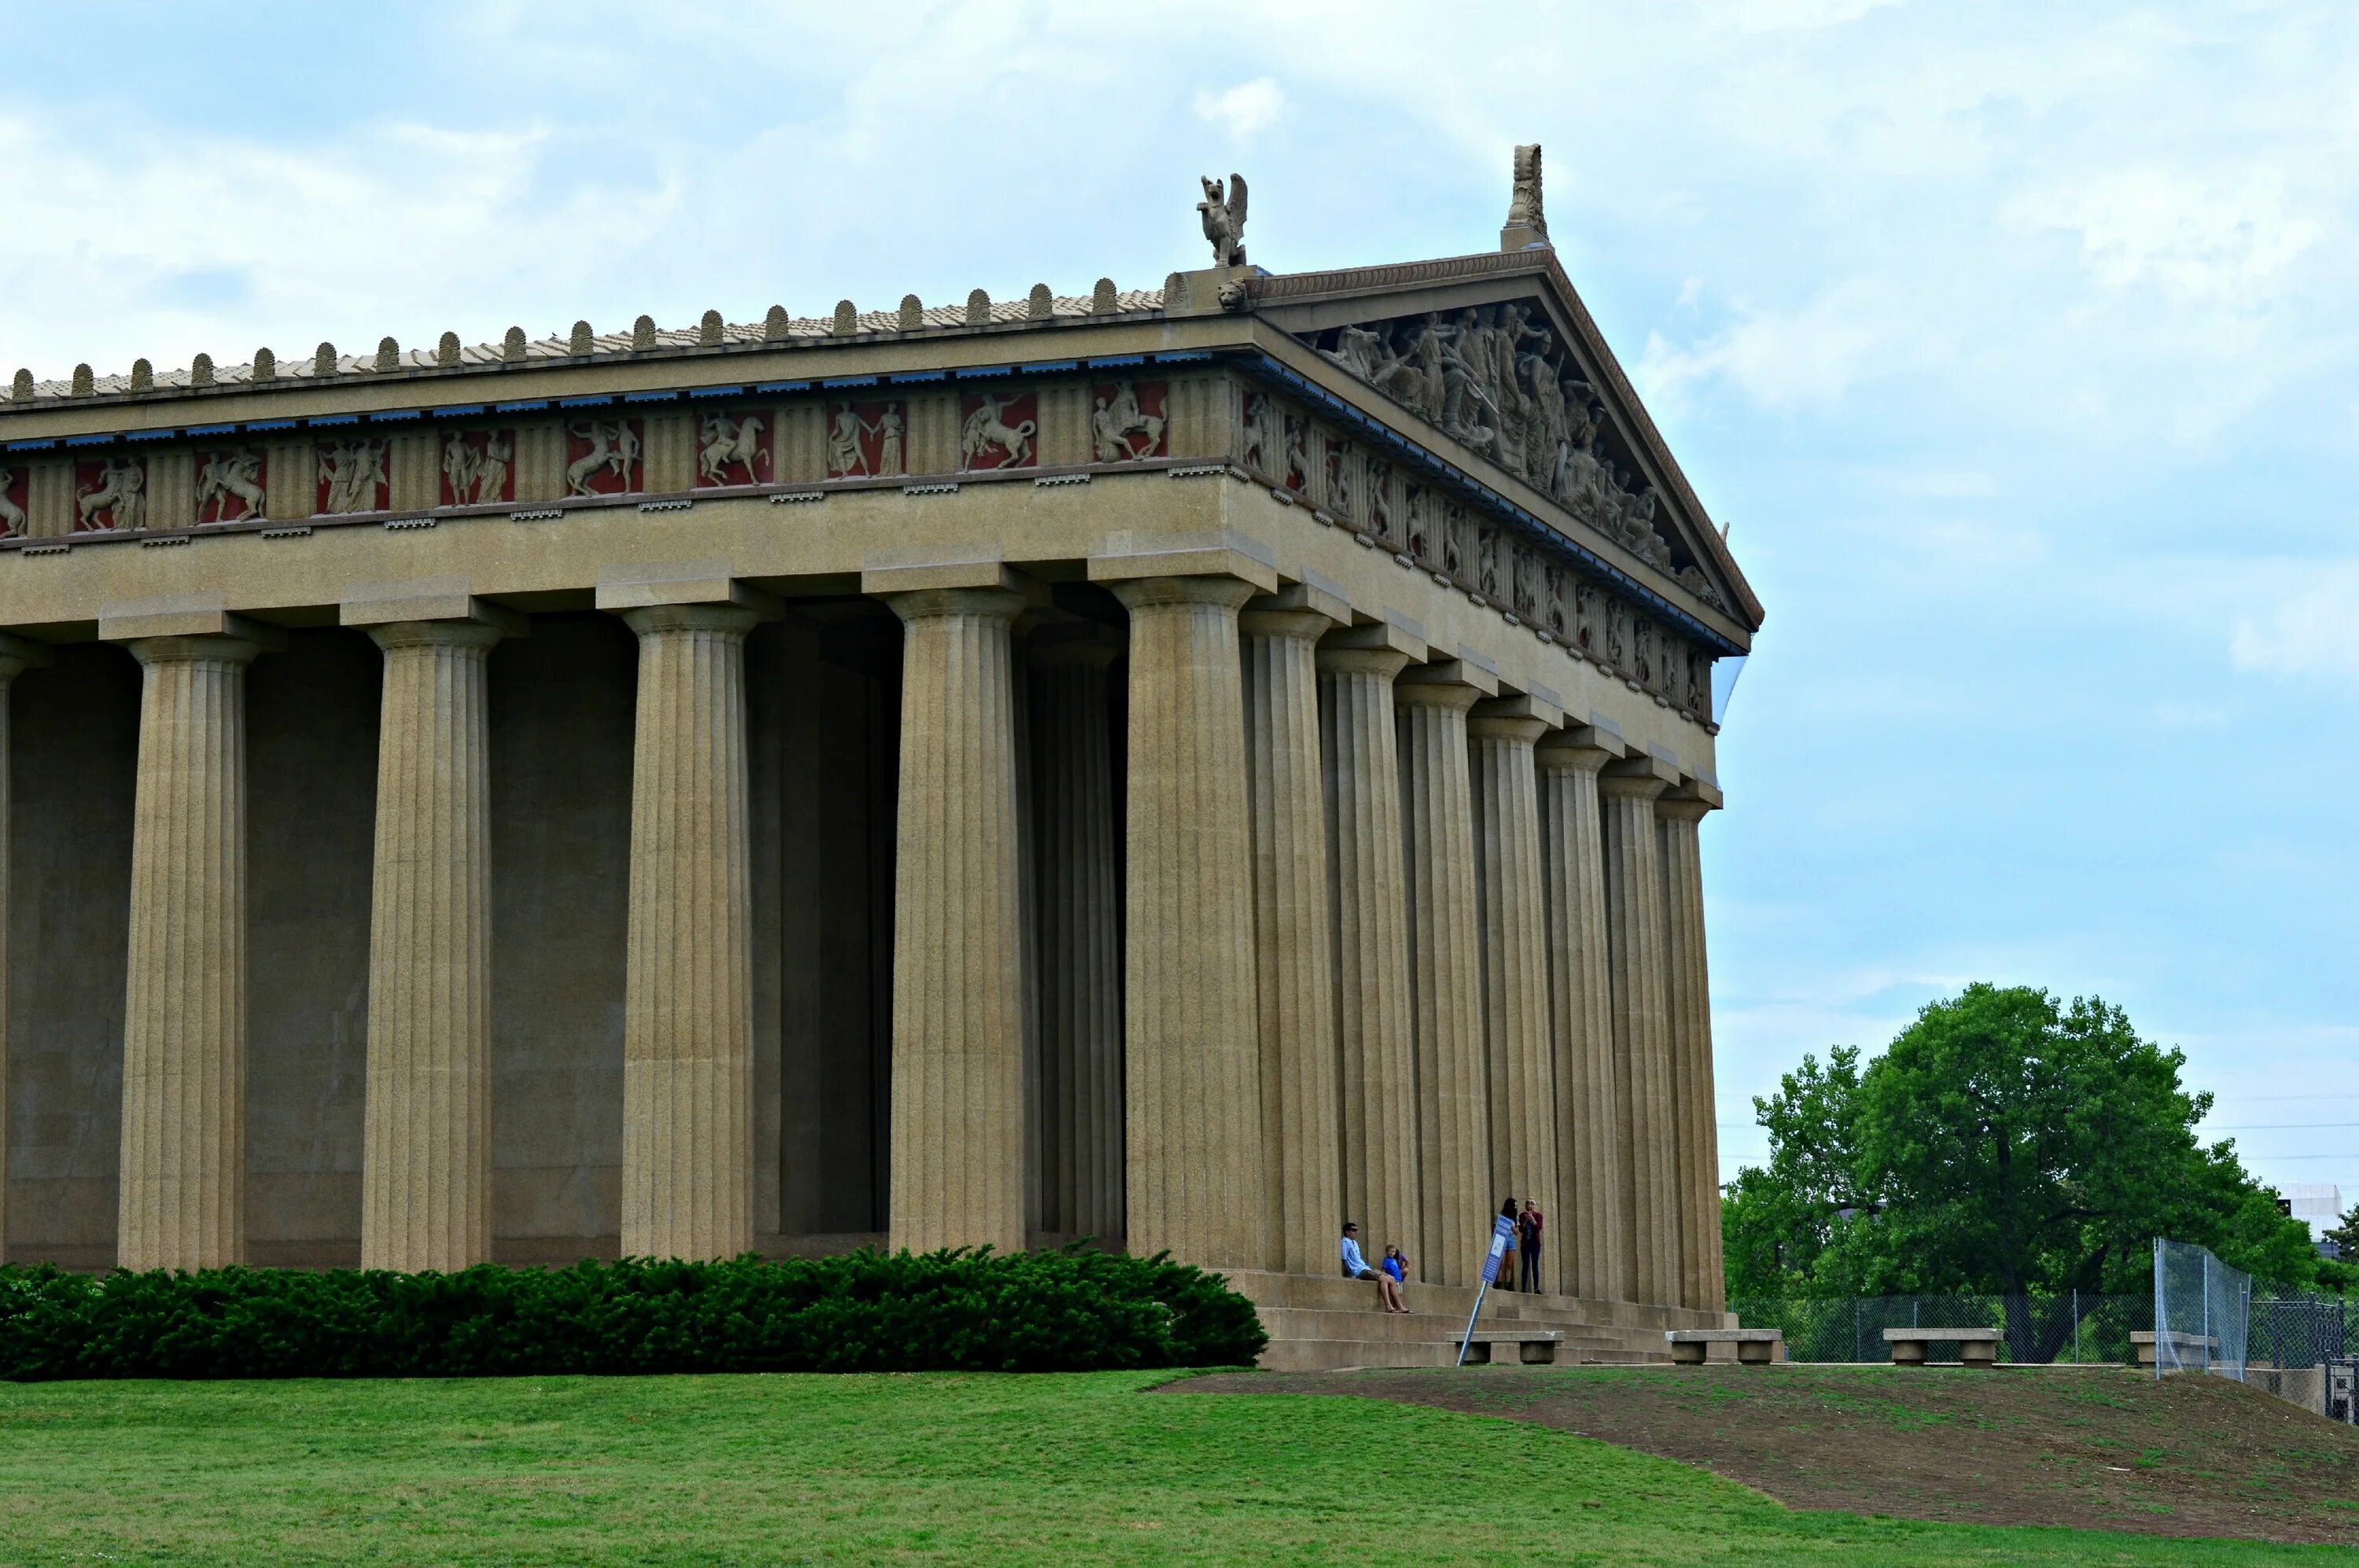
(784,387)
(318,420)
(455,410)
(1183,356)
(980,372)
(150,435)
(1100,361)
(568,403)
(849,381)
(716,391)
(530,406)
(32,445)
(903,377)
(652,396)
(270,424)
(393,415)
(212,429)
(89,440)
(1049,366)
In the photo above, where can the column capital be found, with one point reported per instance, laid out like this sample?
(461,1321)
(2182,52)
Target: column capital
(1303,610)
(931,603)
(1520,718)
(421,600)
(1688,801)
(1126,557)
(1445,683)
(464,634)
(1580,749)
(1385,648)
(1641,776)
(732,620)
(1151,593)
(19,654)
(239,650)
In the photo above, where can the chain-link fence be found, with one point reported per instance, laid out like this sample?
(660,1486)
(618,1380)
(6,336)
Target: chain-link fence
(2069,1328)
(2301,1347)
(2202,1310)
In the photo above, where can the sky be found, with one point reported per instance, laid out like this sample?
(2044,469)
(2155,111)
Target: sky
(2017,343)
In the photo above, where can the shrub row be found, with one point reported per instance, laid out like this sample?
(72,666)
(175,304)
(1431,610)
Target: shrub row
(1076,1310)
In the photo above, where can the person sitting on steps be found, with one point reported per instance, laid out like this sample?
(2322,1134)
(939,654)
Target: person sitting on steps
(1356,1267)
(1395,1267)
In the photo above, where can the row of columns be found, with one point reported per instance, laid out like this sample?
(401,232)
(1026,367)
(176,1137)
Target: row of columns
(426,1161)
(1393,946)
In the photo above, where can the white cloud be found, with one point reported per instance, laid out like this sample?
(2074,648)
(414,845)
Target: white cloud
(1245,109)
(2216,236)
(1778,360)
(2306,629)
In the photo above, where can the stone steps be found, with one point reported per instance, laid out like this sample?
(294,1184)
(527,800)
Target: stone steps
(1319,1324)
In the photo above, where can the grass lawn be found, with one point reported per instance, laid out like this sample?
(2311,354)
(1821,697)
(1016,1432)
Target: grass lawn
(927,1468)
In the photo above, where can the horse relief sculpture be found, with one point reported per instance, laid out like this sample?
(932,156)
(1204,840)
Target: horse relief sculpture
(728,444)
(229,487)
(1120,429)
(611,449)
(988,429)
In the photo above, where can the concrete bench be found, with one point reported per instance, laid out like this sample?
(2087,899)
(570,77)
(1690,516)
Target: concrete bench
(1755,1346)
(2184,1346)
(1534,1347)
(1976,1346)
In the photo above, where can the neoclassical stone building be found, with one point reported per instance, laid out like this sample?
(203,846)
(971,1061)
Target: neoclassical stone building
(1178,766)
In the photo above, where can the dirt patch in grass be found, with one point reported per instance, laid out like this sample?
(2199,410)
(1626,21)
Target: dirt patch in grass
(2093,1449)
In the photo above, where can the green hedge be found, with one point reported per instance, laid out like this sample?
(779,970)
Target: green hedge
(1077,1309)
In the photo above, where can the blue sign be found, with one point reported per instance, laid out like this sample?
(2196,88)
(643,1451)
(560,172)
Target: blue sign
(1502,1231)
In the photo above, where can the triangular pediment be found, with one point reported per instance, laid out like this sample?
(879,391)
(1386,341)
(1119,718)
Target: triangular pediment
(1496,355)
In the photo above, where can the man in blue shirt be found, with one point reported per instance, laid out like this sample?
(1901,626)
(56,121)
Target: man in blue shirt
(1354,1265)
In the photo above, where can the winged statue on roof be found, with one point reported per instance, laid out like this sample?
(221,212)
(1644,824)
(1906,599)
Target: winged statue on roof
(1223,209)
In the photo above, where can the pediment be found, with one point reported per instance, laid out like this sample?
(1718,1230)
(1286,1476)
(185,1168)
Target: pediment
(1496,353)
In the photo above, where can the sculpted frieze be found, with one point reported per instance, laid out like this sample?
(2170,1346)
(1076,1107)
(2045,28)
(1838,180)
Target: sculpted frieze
(353,476)
(478,467)
(229,487)
(603,457)
(109,493)
(732,450)
(16,495)
(1128,421)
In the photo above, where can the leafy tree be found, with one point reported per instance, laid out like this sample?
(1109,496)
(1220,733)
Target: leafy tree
(2006,1143)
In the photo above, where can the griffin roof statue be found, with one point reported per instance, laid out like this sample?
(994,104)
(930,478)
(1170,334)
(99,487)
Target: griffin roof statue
(1224,219)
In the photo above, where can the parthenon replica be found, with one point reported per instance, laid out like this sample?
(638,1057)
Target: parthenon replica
(1180,767)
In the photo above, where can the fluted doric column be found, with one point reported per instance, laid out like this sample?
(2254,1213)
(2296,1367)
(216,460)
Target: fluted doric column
(1294,935)
(1445,966)
(1595,1263)
(1077,843)
(425,1154)
(17,656)
(1375,1030)
(1196,1178)
(182,1203)
(688,1011)
(959,986)
(1689,991)
(1633,927)
(1518,1041)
